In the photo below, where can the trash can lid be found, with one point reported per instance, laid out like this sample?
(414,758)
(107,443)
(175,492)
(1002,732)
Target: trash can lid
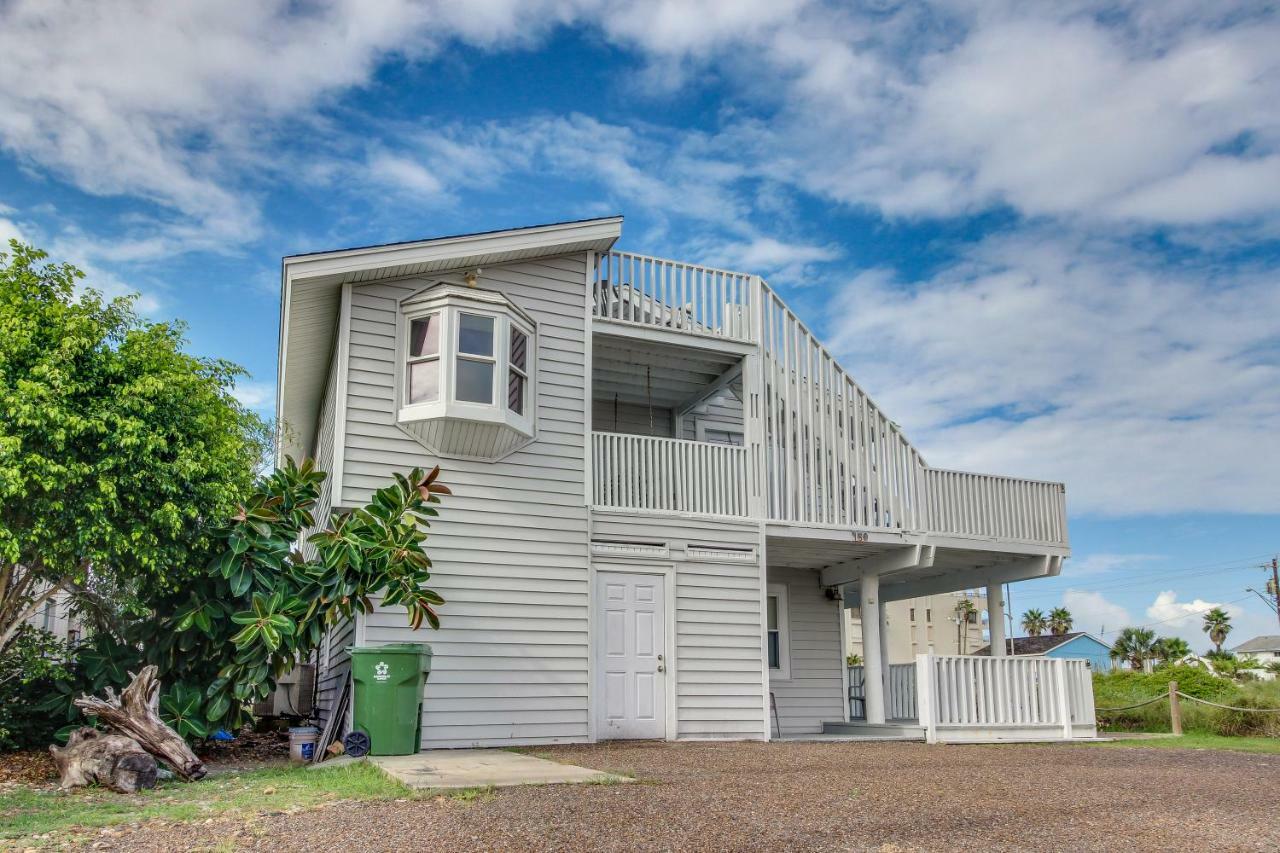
(391,648)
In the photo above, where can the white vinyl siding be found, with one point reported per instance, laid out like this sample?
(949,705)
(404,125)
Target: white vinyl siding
(718,621)
(724,413)
(333,665)
(813,692)
(510,546)
(630,418)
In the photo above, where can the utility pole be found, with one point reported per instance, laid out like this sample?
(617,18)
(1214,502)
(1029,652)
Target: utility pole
(1273,585)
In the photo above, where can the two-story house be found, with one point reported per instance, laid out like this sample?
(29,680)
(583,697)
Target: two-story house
(665,490)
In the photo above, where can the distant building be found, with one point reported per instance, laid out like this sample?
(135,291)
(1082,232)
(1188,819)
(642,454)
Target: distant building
(1076,644)
(924,625)
(1264,649)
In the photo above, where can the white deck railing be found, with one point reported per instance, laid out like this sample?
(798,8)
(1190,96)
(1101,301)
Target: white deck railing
(997,507)
(900,704)
(675,296)
(971,698)
(669,475)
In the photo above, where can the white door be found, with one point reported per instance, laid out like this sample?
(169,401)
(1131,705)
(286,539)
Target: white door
(631,682)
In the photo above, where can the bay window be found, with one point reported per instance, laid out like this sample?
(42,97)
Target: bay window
(466,358)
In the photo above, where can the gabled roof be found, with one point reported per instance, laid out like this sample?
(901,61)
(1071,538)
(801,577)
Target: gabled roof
(1043,644)
(1263,643)
(311,287)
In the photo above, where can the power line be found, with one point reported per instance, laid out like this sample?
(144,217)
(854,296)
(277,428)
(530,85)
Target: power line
(1179,616)
(1184,573)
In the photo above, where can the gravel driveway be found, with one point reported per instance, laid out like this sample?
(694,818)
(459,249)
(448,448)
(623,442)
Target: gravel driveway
(814,796)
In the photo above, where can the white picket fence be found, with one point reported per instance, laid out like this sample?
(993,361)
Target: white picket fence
(966,698)
(668,474)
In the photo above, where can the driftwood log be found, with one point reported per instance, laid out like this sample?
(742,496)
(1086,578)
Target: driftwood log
(114,761)
(135,714)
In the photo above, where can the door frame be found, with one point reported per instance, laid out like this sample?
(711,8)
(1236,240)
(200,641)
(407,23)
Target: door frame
(668,573)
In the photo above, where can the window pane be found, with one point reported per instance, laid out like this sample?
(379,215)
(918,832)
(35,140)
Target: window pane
(515,392)
(519,343)
(775,656)
(475,381)
(424,337)
(424,381)
(773,612)
(475,334)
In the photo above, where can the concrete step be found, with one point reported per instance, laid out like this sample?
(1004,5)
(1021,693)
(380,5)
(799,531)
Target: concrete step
(905,730)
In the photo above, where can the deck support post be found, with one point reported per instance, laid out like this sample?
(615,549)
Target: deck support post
(995,619)
(872,661)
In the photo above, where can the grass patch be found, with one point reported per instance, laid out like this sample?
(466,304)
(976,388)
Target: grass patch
(480,794)
(25,812)
(1198,740)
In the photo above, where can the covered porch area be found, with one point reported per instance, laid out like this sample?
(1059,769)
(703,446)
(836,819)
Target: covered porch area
(813,576)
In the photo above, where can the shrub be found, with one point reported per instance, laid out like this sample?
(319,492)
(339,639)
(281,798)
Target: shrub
(28,670)
(1119,689)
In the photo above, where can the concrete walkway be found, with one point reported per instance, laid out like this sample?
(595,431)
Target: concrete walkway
(477,768)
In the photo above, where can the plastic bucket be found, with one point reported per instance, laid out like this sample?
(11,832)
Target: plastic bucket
(302,743)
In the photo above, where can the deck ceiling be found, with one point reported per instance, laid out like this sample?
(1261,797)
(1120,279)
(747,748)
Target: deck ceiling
(675,375)
(962,567)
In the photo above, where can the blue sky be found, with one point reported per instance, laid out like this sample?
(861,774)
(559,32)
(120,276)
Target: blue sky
(1044,236)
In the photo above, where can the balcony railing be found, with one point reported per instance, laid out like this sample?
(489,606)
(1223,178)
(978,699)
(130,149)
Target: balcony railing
(677,297)
(998,507)
(668,474)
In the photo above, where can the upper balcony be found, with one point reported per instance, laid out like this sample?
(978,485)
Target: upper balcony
(671,299)
(756,419)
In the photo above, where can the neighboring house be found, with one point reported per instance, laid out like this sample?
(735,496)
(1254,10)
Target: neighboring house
(1264,649)
(56,617)
(1076,644)
(917,626)
(665,489)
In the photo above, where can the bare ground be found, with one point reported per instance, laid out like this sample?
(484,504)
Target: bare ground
(797,796)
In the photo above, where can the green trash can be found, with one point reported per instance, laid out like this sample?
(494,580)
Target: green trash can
(388,695)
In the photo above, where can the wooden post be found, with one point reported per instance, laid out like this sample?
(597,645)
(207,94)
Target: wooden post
(1175,710)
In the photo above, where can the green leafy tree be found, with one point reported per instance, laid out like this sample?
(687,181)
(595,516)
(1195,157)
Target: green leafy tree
(262,604)
(1034,623)
(1217,624)
(116,448)
(1060,621)
(1135,646)
(1170,650)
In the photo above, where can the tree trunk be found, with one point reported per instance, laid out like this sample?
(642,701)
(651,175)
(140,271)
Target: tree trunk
(134,714)
(115,761)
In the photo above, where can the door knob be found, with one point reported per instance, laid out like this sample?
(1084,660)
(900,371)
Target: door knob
(661,666)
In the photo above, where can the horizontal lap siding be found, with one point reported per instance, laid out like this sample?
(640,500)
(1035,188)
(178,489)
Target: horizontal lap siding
(724,414)
(510,546)
(334,665)
(814,693)
(718,622)
(630,418)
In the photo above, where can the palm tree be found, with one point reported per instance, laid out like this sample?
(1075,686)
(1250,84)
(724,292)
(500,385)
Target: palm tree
(1217,624)
(1034,623)
(1171,649)
(1060,621)
(965,611)
(1135,645)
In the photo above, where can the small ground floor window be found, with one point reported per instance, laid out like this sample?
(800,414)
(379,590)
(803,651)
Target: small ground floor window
(776,627)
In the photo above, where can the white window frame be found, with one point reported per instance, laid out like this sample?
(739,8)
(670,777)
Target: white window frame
(782,672)
(448,303)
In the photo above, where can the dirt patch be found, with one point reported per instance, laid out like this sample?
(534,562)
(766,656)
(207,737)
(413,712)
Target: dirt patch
(811,796)
(27,767)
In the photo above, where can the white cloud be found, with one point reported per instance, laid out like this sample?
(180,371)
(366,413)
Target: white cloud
(1103,563)
(405,175)
(1145,387)
(255,395)
(1171,613)
(1093,612)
